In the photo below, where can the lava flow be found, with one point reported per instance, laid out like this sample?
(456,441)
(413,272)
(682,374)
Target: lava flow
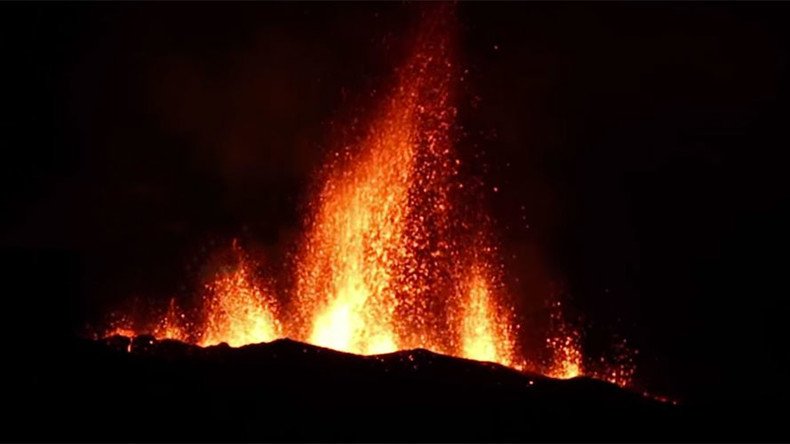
(392,257)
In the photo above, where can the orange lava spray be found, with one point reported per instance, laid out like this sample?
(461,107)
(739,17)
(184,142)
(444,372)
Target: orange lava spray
(382,267)
(239,309)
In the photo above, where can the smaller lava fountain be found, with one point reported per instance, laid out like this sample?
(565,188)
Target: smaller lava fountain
(172,324)
(484,336)
(239,309)
(564,343)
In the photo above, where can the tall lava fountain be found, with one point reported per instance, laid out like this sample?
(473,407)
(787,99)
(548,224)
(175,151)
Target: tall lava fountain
(390,259)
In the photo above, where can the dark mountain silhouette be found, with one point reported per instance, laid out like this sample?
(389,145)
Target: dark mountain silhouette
(144,390)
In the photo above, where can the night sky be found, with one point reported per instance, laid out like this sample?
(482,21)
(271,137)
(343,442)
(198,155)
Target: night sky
(639,152)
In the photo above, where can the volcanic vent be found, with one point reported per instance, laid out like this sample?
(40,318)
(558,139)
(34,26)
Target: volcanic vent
(397,253)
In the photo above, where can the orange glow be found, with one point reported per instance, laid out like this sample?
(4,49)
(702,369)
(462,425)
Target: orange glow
(120,331)
(171,325)
(564,344)
(120,326)
(484,334)
(238,311)
(567,360)
(619,367)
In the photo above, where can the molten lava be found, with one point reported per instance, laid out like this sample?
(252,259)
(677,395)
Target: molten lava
(238,309)
(564,344)
(486,334)
(382,268)
(171,325)
(567,361)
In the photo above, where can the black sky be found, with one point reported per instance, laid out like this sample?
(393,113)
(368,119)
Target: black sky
(639,150)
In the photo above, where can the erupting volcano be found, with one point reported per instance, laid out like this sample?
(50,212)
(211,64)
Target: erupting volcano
(394,221)
(397,253)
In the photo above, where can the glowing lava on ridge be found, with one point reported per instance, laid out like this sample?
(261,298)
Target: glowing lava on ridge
(239,308)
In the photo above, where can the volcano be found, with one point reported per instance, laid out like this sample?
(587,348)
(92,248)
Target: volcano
(144,389)
(394,221)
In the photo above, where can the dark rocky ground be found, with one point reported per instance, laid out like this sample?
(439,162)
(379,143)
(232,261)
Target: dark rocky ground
(56,387)
(285,390)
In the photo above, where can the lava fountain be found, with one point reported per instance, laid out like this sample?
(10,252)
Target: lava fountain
(239,308)
(384,265)
(172,324)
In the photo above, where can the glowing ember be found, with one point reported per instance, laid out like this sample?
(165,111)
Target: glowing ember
(171,325)
(567,357)
(238,310)
(121,325)
(619,368)
(121,331)
(564,344)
